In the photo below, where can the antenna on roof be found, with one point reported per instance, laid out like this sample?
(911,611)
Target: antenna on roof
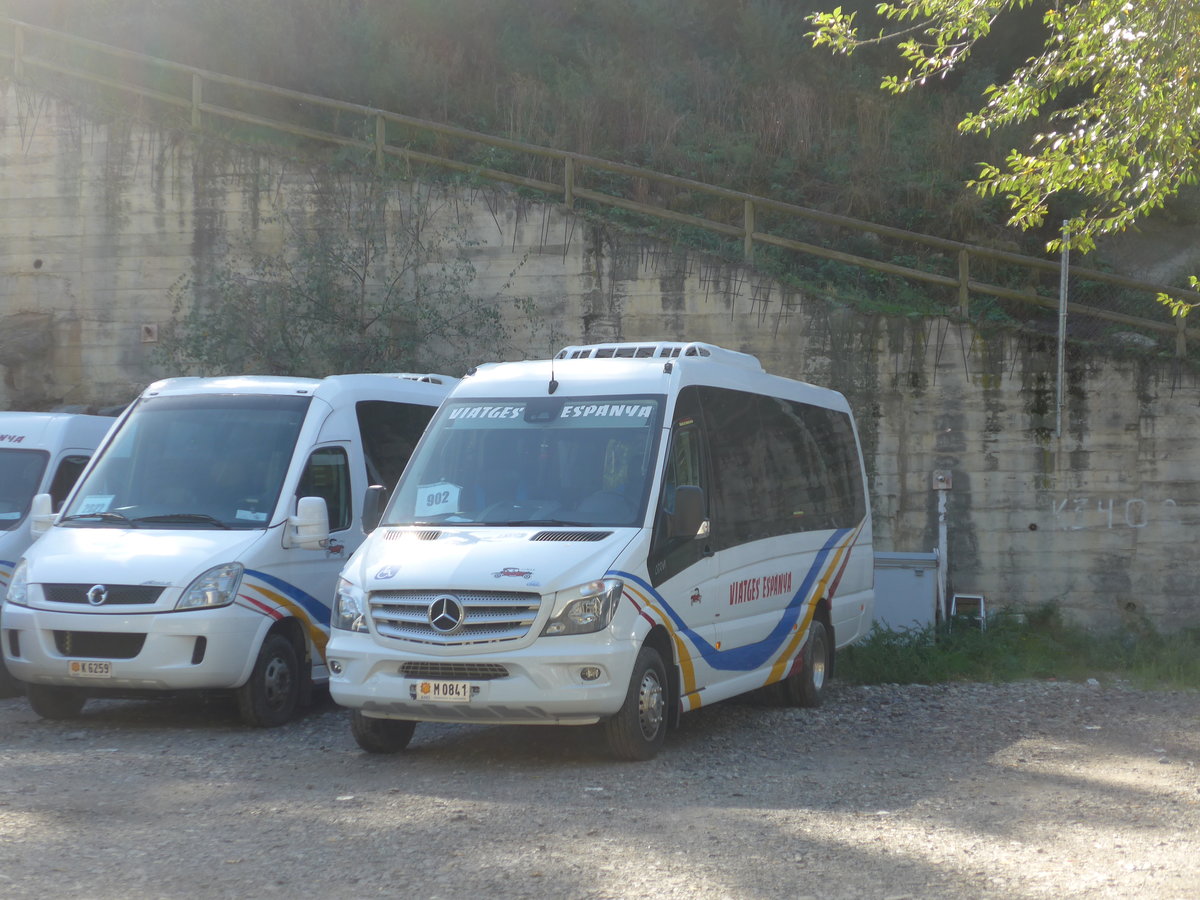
(553,384)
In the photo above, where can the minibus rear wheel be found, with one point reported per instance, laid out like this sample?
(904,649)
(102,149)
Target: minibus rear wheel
(270,696)
(51,702)
(805,687)
(637,731)
(381,735)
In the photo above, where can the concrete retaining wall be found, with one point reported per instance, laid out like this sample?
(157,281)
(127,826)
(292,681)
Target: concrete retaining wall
(98,222)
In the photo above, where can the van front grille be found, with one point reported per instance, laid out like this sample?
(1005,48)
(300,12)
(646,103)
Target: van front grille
(449,618)
(98,644)
(109,595)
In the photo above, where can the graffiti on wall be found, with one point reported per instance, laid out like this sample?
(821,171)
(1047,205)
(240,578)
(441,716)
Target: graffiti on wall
(1078,513)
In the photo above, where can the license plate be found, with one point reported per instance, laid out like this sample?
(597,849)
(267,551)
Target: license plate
(444,691)
(89,668)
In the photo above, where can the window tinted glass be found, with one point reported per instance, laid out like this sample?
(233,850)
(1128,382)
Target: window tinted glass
(779,467)
(202,461)
(672,548)
(327,475)
(389,432)
(65,477)
(20,474)
(575,461)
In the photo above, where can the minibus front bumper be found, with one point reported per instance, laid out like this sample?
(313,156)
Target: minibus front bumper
(576,680)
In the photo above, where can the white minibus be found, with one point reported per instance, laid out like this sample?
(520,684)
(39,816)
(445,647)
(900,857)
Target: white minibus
(618,535)
(200,548)
(40,452)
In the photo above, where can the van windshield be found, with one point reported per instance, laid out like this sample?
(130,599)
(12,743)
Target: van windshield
(20,474)
(536,461)
(197,462)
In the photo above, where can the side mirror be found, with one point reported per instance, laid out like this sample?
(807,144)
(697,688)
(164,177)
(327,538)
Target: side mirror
(309,528)
(689,521)
(374,501)
(41,514)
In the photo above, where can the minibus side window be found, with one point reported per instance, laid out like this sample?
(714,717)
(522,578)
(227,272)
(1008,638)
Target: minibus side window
(65,477)
(737,447)
(389,433)
(834,436)
(779,467)
(672,551)
(327,475)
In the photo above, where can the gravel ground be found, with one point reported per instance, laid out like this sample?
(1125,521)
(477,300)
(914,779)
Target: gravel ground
(999,791)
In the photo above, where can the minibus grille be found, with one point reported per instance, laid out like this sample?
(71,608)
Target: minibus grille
(448,618)
(111,595)
(98,644)
(454,671)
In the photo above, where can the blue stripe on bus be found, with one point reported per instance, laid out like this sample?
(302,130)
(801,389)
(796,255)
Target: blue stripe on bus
(751,656)
(318,611)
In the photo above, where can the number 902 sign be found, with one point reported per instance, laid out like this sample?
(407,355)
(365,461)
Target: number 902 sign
(437,499)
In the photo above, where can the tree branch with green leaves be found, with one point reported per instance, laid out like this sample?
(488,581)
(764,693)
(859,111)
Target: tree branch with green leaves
(1114,93)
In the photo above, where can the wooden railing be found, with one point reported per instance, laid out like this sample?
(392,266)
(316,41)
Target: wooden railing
(204,100)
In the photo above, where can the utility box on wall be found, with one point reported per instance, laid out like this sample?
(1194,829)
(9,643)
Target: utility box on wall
(906,590)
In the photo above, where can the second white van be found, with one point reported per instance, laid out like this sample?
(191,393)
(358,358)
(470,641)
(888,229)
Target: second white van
(618,535)
(201,547)
(40,453)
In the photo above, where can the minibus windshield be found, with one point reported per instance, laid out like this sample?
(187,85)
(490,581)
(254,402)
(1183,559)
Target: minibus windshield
(533,461)
(20,474)
(207,461)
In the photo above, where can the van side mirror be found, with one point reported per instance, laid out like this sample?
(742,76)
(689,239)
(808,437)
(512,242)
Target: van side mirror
(374,500)
(41,514)
(309,528)
(688,520)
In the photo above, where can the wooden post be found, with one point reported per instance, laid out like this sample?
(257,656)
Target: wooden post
(380,140)
(1181,337)
(964,280)
(18,52)
(748,226)
(197,98)
(569,182)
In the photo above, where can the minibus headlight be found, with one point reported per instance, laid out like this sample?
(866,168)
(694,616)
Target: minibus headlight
(18,586)
(216,587)
(349,611)
(586,608)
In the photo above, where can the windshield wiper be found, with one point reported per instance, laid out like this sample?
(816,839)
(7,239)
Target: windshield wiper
(521,522)
(103,516)
(185,517)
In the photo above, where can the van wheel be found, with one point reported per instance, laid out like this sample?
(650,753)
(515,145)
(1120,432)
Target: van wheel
(639,728)
(9,685)
(55,702)
(271,694)
(381,735)
(806,686)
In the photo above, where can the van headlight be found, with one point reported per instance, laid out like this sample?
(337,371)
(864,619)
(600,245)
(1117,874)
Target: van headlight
(586,608)
(349,610)
(216,587)
(18,586)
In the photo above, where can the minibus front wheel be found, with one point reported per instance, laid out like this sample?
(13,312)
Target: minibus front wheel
(270,696)
(52,702)
(637,731)
(381,735)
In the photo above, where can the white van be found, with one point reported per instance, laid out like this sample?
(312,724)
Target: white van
(40,453)
(618,535)
(201,546)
